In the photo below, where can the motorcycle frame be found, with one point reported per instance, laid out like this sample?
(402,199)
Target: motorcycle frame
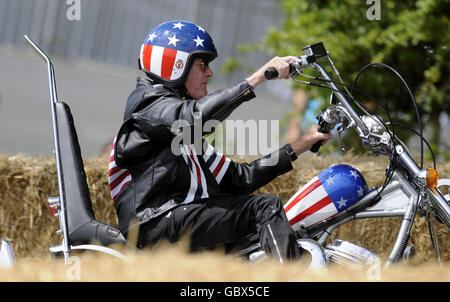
(400,198)
(65,247)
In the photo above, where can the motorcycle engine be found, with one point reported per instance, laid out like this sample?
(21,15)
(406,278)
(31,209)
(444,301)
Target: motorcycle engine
(349,254)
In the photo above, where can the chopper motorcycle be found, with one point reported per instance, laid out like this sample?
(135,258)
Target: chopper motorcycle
(314,211)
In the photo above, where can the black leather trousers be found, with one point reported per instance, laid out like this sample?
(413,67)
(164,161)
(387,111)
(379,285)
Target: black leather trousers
(228,222)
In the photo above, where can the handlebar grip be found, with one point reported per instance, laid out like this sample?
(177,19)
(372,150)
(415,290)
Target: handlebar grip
(271,73)
(317,145)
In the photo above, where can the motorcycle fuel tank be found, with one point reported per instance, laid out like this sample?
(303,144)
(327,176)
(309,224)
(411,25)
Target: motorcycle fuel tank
(332,191)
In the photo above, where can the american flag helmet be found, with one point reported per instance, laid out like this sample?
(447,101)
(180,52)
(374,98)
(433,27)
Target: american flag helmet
(170,48)
(332,191)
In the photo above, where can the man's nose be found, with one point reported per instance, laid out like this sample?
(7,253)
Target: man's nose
(209,72)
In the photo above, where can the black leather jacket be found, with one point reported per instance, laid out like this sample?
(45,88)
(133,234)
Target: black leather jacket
(161,179)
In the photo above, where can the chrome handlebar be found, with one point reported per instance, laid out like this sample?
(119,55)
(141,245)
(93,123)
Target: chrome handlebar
(375,136)
(354,119)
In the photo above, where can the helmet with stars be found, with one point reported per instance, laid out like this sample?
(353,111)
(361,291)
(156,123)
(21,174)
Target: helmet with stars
(170,48)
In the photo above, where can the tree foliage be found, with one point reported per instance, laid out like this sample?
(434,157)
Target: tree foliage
(411,36)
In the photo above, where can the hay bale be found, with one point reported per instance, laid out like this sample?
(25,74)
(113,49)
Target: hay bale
(154,266)
(26,183)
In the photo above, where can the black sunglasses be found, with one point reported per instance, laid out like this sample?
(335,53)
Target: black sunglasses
(204,65)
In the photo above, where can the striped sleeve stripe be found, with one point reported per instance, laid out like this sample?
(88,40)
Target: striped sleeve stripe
(114,170)
(211,160)
(193,187)
(112,164)
(198,186)
(118,178)
(202,191)
(217,162)
(219,166)
(118,182)
(113,176)
(209,155)
(120,187)
(218,174)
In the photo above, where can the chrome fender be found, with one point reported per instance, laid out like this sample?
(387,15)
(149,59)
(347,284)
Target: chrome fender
(444,182)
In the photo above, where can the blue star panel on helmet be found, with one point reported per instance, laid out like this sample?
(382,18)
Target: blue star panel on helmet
(168,50)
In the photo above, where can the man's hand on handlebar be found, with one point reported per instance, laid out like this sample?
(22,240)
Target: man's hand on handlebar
(281,64)
(282,68)
(307,140)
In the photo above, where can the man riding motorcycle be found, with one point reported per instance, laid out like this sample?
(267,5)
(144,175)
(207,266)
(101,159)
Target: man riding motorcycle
(175,189)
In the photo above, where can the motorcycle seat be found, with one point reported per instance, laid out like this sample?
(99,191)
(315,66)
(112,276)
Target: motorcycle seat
(82,226)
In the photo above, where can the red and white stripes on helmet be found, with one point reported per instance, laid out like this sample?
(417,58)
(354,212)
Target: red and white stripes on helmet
(164,62)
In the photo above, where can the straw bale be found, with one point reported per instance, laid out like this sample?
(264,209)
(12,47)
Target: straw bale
(153,266)
(27,182)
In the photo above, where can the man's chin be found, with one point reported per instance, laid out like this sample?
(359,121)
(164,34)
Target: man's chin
(205,93)
(200,94)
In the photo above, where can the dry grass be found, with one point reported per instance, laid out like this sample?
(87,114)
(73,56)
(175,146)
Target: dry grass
(172,263)
(25,184)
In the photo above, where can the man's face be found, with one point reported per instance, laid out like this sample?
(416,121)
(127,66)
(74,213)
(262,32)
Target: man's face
(197,79)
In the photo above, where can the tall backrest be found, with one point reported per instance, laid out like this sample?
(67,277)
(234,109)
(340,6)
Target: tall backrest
(77,220)
(78,200)
(82,226)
